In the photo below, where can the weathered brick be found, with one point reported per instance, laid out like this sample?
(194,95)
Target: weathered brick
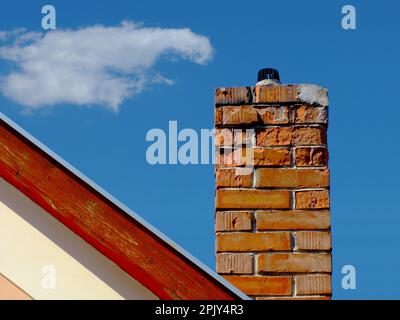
(236,95)
(233,115)
(312,156)
(274,136)
(244,156)
(313,240)
(276,94)
(246,241)
(244,137)
(294,262)
(233,178)
(292,220)
(271,95)
(224,157)
(245,114)
(273,115)
(289,189)
(271,157)
(312,199)
(308,136)
(253,157)
(291,178)
(310,114)
(252,199)
(233,221)
(235,263)
(263,285)
(233,157)
(223,137)
(218,116)
(313,284)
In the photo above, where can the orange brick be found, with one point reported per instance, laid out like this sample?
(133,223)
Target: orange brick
(275,94)
(313,240)
(310,114)
(235,115)
(308,136)
(246,241)
(292,220)
(239,115)
(223,157)
(273,115)
(274,136)
(218,116)
(233,221)
(294,262)
(262,285)
(291,178)
(223,137)
(235,263)
(271,157)
(234,157)
(314,156)
(237,95)
(313,199)
(260,94)
(233,178)
(313,284)
(254,157)
(252,199)
(246,137)
(244,156)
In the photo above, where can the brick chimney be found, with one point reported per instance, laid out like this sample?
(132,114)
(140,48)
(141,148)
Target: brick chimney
(272,216)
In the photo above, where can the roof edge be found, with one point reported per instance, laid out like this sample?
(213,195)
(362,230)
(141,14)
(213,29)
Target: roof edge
(124,208)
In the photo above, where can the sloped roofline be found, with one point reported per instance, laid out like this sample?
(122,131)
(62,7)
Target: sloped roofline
(231,290)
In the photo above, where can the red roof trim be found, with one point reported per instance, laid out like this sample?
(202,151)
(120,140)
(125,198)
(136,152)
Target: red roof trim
(142,254)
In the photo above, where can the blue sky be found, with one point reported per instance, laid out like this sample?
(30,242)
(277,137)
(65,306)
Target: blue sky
(305,41)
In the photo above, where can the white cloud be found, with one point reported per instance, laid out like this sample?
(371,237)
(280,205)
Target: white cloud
(95,65)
